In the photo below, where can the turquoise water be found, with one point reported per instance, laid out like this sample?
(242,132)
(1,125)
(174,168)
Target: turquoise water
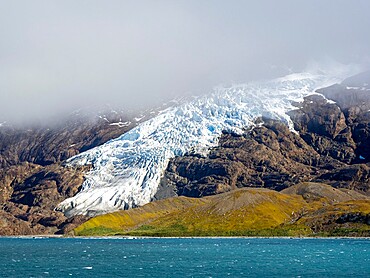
(184,257)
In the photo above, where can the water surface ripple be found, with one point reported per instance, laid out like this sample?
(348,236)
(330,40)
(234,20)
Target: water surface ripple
(184,257)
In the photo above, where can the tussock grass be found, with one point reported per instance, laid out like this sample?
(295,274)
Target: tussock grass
(242,212)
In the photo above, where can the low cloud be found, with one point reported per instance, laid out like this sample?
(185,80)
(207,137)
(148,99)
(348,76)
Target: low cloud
(56,56)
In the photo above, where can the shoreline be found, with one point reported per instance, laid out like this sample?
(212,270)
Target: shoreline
(177,237)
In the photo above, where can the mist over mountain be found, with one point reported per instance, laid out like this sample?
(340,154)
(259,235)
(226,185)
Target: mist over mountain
(58,56)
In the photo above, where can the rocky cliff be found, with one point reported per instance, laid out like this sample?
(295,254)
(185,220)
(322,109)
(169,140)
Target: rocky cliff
(33,178)
(331,145)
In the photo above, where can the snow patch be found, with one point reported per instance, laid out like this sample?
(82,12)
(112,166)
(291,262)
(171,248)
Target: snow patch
(121,124)
(358,88)
(138,119)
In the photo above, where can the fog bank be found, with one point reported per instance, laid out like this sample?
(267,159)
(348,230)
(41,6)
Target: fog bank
(56,56)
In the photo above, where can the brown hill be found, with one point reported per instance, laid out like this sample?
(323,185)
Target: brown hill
(311,191)
(241,212)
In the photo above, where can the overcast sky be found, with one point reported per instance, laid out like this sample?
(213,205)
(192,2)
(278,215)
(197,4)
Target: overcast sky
(59,55)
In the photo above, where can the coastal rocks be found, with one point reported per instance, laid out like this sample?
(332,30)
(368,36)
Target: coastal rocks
(33,193)
(10,225)
(33,179)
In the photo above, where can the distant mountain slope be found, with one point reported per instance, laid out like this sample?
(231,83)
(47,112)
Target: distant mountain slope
(49,143)
(33,179)
(331,145)
(353,92)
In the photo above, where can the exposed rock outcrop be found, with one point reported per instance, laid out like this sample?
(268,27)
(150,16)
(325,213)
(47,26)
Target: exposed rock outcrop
(331,145)
(268,156)
(33,179)
(312,191)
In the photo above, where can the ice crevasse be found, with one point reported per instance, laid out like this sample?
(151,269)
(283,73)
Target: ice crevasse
(126,171)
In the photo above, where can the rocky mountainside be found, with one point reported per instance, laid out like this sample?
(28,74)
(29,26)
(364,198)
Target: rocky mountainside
(33,178)
(331,145)
(273,135)
(49,143)
(126,171)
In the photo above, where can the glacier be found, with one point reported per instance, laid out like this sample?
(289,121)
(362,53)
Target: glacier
(126,171)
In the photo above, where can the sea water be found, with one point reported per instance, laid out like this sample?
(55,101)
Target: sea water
(184,257)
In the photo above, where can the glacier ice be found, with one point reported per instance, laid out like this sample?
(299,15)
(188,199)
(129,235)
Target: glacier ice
(126,171)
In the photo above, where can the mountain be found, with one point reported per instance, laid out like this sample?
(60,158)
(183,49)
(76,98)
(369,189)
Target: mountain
(329,146)
(290,133)
(127,171)
(33,178)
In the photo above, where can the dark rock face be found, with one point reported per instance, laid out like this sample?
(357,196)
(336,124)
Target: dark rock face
(354,218)
(353,93)
(269,156)
(45,145)
(323,118)
(353,97)
(323,126)
(332,146)
(33,179)
(349,176)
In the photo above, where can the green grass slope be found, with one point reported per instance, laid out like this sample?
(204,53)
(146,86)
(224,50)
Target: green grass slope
(242,212)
